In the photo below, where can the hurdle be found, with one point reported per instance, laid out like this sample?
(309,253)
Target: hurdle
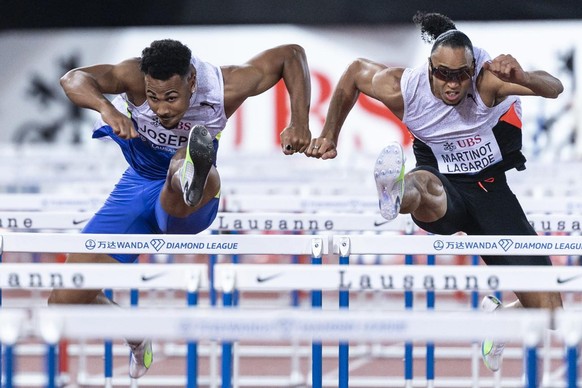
(288,325)
(389,278)
(368,203)
(322,221)
(234,202)
(188,277)
(169,244)
(316,222)
(374,279)
(292,244)
(473,245)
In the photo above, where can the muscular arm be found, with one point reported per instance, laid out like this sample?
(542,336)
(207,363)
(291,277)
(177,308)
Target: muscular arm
(362,76)
(87,86)
(504,77)
(262,72)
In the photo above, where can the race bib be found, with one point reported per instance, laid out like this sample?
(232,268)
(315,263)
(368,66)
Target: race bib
(467,155)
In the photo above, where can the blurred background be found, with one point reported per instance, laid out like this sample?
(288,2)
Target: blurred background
(41,40)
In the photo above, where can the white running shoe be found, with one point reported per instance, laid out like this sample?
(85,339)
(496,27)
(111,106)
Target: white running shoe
(492,351)
(389,175)
(199,159)
(141,359)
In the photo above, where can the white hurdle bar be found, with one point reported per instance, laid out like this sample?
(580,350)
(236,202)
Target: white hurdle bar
(283,325)
(458,245)
(369,203)
(225,221)
(276,221)
(330,277)
(85,322)
(266,202)
(190,277)
(163,243)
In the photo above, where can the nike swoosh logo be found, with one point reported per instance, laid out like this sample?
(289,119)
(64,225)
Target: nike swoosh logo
(147,278)
(77,222)
(263,279)
(566,280)
(380,223)
(206,103)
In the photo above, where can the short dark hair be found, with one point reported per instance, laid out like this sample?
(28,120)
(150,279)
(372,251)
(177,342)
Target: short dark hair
(165,58)
(441,31)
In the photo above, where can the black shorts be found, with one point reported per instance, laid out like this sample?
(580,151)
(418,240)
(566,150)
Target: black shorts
(486,207)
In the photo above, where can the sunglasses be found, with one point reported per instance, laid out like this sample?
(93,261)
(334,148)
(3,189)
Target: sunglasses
(446,74)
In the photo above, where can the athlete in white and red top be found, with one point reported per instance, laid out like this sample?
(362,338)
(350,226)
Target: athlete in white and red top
(463,112)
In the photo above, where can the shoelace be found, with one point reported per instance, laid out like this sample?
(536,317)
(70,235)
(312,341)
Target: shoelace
(498,349)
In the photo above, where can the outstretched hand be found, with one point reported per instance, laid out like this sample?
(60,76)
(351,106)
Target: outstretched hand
(322,148)
(506,68)
(295,139)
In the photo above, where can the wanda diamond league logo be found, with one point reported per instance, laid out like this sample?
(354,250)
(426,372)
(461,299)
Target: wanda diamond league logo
(157,243)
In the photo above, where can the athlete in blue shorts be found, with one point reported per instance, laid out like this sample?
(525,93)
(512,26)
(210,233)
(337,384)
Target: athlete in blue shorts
(167,119)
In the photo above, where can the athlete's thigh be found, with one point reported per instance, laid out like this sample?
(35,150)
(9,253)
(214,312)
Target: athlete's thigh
(129,209)
(195,223)
(497,210)
(455,217)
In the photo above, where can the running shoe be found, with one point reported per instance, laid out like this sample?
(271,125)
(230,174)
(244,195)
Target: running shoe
(200,157)
(389,175)
(141,359)
(492,351)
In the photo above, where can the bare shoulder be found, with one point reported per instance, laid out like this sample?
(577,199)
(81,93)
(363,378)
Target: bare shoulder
(386,84)
(390,78)
(130,77)
(488,87)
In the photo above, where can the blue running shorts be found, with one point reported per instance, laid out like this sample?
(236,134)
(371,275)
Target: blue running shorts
(134,207)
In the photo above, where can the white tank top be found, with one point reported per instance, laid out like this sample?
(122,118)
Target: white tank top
(150,153)
(461,137)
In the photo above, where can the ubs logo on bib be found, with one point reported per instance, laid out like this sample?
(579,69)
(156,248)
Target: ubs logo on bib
(469,142)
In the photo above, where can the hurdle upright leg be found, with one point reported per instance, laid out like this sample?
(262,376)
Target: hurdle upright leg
(8,366)
(108,349)
(344,303)
(430,305)
(572,366)
(408,346)
(531,367)
(192,346)
(475,356)
(133,301)
(296,375)
(316,303)
(10,327)
(228,282)
(51,365)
